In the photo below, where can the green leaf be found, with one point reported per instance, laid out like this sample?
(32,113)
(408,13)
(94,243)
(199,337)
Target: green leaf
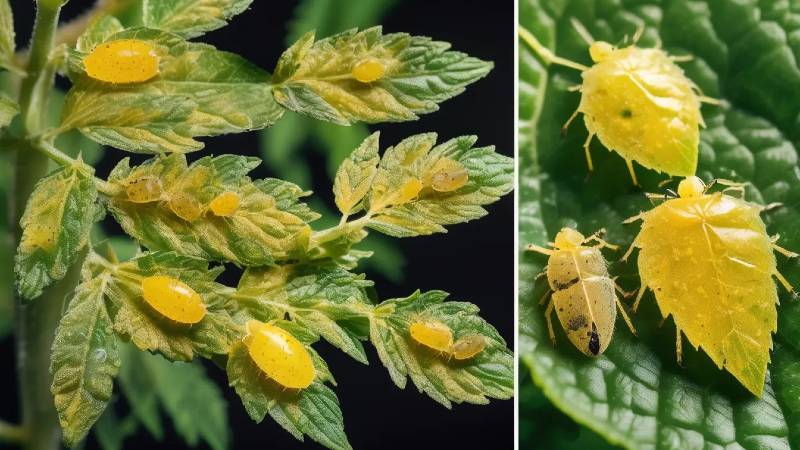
(401,201)
(111,431)
(314,297)
(635,394)
(490,374)
(315,79)
(84,361)
(8,110)
(355,174)
(313,411)
(140,324)
(7,44)
(191,18)
(200,91)
(56,225)
(99,30)
(269,224)
(137,382)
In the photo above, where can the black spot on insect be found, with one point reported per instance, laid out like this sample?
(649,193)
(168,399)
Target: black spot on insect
(561,286)
(577,322)
(594,341)
(626,113)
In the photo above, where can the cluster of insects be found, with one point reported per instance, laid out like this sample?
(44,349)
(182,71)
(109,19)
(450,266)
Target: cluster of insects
(439,337)
(706,255)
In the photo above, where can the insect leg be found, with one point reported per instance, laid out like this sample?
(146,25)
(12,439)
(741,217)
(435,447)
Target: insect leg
(623,293)
(547,313)
(541,274)
(544,297)
(639,296)
(678,345)
(786,284)
(633,174)
(625,316)
(781,250)
(569,121)
(630,249)
(586,150)
(536,248)
(681,58)
(596,237)
(581,30)
(545,53)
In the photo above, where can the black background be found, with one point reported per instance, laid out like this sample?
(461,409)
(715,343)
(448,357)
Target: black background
(474,261)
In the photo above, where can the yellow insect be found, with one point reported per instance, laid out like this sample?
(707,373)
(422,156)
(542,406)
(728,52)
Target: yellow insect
(709,261)
(408,191)
(582,292)
(279,355)
(468,346)
(368,70)
(122,62)
(434,335)
(446,175)
(144,190)
(638,102)
(173,299)
(225,204)
(185,206)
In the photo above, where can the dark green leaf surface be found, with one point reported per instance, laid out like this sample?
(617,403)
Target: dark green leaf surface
(635,394)
(191,18)
(8,109)
(56,225)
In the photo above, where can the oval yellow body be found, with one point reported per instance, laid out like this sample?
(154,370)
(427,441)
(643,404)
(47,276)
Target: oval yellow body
(709,261)
(185,206)
(468,346)
(408,191)
(434,335)
(225,204)
(640,104)
(368,70)
(144,190)
(173,299)
(446,175)
(583,297)
(123,61)
(279,355)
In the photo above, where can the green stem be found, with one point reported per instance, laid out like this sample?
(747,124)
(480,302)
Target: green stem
(49,150)
(36,322)
(9,433)
(331,234)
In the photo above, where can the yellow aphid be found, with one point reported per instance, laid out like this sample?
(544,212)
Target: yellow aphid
(408,191)
(225,204)
(144,190)
(173,299)
(434,335)
(185,206)
(123,61)
(709,261)
(468,346)
(639,103)
(446,175)
(279,355)
(583,294)
(368,70)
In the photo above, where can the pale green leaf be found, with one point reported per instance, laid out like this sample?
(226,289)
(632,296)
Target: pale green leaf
(191,18)
(99,30)
(8,109)
(392,210)
(200,91)
(312,412)
(355,174)
(84,361)
(315,79)
(315,297)
(56,225)
(140,324)
(7,44)
(270,223)
(490,374)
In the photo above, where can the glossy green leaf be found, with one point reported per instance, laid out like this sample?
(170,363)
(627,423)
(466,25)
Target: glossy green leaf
(401,201)
(315,78)
(269,224)
(635,394)
(7,44)
(314,297)
(139,323)
(56,225)
(313,411)
(200,91)
(490,374)
(191,18)
(84,361)
(8,110)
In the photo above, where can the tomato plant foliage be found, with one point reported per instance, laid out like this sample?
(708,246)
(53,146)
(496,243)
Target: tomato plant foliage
(635,395)
(297,276)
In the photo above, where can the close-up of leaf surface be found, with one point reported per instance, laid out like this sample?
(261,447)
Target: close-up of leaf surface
(635,395)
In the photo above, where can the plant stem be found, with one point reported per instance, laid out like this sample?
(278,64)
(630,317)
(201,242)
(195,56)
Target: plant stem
(330,234)
(11,433)
(49,150)
(36,321)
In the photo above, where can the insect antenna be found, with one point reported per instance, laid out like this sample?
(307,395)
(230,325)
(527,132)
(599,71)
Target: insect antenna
(638,33)
(545,53)
(582,31)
